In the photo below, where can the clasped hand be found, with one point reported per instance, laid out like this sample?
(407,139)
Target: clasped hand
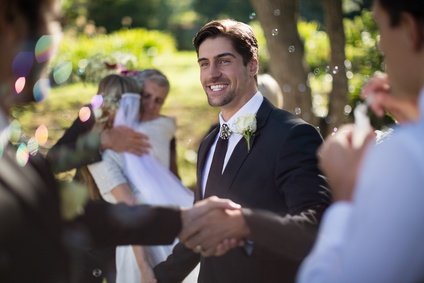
(213,226)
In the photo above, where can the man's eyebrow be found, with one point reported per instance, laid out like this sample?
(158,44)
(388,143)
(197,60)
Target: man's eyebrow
(218,56)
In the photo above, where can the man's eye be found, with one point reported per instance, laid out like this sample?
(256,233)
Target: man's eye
(203,64)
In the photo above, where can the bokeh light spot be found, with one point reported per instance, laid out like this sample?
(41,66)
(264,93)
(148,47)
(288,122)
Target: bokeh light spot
(41,89)
(22,155)
(20,84)
(84,114)
(22,63)
(41,134)
(44,48)
(14,131)
(33,146)
(62,72)
(97,101)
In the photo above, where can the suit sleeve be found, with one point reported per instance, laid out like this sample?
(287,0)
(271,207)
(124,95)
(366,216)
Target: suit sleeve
(79,146)
(306,196)
(108,224)
(177,266)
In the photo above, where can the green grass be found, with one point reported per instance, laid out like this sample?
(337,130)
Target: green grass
(186,102)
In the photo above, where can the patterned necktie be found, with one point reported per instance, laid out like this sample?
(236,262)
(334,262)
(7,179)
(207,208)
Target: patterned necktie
(215,171)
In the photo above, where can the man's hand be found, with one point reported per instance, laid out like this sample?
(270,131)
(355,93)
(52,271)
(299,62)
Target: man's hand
(339,160)
(209,223)
(380,99)
(124,139)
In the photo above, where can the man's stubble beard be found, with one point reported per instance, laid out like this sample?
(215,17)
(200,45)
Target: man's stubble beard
(226,99)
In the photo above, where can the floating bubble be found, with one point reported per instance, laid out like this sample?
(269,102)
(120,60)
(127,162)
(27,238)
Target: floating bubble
(190,156)
(152,52)
(41,89)
(349,74)
(348,64)
(22,155)
(97,101)
(84,114)
(14,131)
(286,88)
(97,272)
(335,70)
(277,12)
(351,88)
(33,146)
(292,49)
(22,64)
(301,87)
(62,72)
(297,111)
(41,134)
(274,32)
(347,109)
(327,69)
(328,120)
(20,84)
(83,63)
(252,16)
(44,48)
(316,71)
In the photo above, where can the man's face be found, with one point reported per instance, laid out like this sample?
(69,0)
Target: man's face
(397,47)
(152,100)
(224,78)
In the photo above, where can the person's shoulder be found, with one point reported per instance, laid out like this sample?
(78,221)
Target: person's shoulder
(168,122)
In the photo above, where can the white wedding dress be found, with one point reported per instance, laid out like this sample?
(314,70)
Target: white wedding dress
(150,180)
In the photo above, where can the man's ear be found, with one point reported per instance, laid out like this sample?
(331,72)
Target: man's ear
(414,29)
(254,66)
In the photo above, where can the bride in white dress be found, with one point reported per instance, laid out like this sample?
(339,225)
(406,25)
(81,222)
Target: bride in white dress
(145,179)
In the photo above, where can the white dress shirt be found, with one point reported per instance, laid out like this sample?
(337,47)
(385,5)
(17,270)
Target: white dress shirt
(379,236)
(251,107)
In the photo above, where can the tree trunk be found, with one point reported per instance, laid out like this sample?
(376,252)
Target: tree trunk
(287,64)
(338,97)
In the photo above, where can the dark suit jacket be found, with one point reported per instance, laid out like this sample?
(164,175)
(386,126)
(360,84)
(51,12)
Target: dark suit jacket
(278,175)
(34,240)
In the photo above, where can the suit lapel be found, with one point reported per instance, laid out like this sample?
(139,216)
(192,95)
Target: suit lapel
(202,154)
(240,152)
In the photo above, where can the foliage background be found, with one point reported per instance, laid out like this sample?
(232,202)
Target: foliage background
(91,52)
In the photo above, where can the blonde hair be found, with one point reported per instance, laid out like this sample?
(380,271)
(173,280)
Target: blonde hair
(111,89)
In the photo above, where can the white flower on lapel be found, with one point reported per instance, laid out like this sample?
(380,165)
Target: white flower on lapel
(246,126)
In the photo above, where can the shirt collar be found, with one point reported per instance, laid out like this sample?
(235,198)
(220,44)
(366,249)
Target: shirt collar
(251,107)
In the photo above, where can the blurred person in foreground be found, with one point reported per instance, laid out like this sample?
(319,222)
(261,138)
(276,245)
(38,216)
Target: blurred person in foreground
(373,231)
(34,235)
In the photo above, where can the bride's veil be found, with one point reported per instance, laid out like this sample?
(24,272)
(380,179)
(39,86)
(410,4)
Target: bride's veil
(157,185)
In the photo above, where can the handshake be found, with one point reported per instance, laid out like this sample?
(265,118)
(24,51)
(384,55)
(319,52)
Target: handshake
(213,226)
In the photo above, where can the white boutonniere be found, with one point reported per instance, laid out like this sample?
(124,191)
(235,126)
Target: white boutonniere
(246,126)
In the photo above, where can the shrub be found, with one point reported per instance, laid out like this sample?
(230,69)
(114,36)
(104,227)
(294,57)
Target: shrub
(94,57)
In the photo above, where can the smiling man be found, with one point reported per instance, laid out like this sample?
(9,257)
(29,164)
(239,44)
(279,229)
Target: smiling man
(275,170)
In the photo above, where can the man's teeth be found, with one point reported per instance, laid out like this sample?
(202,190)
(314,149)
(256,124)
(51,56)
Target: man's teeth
(217,87)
